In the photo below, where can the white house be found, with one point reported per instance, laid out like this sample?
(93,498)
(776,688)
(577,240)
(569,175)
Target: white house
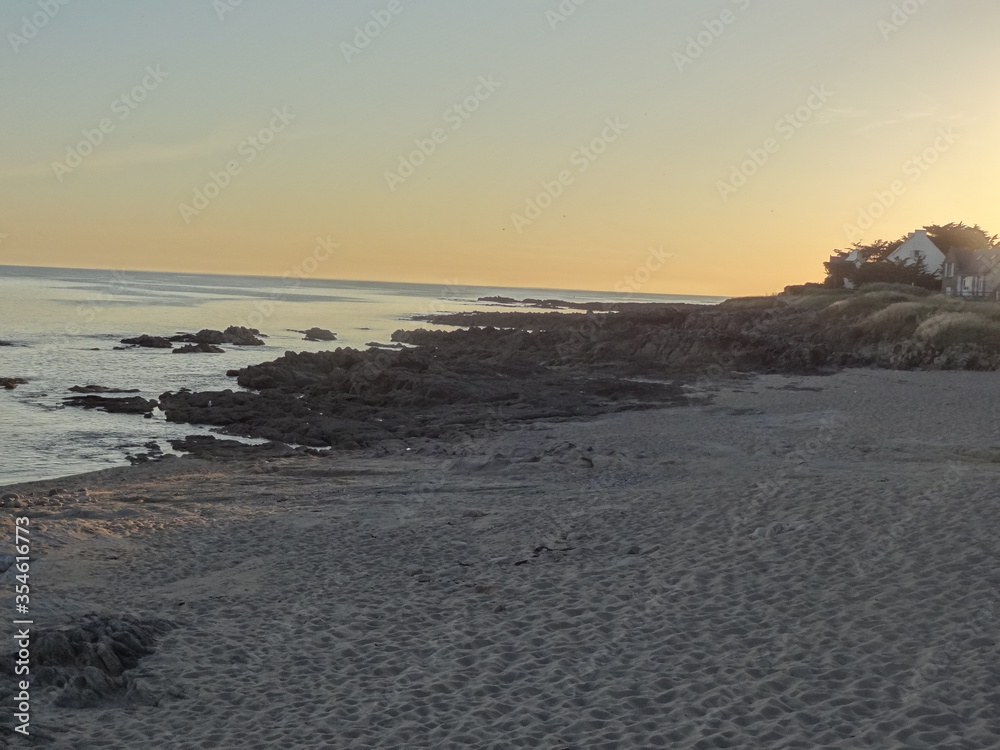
(919,245)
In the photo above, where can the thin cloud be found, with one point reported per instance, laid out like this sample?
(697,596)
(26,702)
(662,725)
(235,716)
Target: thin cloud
(140,154)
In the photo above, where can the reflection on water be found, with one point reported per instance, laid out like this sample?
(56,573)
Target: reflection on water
(66,322)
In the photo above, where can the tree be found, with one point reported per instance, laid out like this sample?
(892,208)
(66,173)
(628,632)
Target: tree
(960,235)
(895,272)
(873,258)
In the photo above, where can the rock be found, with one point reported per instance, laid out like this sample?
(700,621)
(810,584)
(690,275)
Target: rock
(12,383)
(199,349)
(10,500)
(151,342)
(210,448)
(242,336)
(90,659)
(318,334)
(6,343)
(100,389)
(128,405)
(378,345)
(6,560)
(414,570)
(236,335)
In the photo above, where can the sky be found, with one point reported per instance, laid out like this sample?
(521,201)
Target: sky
(718,147)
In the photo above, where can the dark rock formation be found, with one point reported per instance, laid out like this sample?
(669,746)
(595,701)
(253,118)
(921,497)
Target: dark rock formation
(101,389)
(235,335)
(12,383)
(212,448)
(129,405)
(347,398)
(89,661)
(509,367)
(151,342)
(317,334)
(202,348)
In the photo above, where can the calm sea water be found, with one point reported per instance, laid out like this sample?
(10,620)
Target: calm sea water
(65,324)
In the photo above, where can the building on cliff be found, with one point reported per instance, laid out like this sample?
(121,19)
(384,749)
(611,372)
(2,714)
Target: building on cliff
(972,273)
(918,246)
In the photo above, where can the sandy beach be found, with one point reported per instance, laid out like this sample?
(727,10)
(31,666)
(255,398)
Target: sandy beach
(795,562)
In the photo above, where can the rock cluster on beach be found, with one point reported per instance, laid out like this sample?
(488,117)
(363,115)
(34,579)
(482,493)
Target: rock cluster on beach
(206,340)
(88,662)
(350,398)
(524,365)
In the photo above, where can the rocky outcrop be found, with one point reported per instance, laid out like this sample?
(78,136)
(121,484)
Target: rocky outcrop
(101,389)
(12,383)
(510,367)
(346,398)
(235,335)
(212,448)
(150,342)
(89,661)
(202,348)
(129,405)
(317,334)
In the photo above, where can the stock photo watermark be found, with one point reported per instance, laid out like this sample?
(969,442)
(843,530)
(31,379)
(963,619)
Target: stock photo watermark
(635,281)
(249,149)
(304,269)
(786,127)
(914,168)
(86,311)
(366,33)
(123,106)
(225,7)
(713,29)
(553,189)
(900,16)
(562,12)
(32,25)
(455,117)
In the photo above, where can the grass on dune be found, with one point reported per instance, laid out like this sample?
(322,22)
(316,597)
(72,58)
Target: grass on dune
(946,329)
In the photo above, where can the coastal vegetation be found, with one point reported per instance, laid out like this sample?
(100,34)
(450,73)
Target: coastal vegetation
(870,263)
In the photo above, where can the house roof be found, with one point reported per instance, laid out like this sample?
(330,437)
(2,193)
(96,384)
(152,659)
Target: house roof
(973,262)
(918,242)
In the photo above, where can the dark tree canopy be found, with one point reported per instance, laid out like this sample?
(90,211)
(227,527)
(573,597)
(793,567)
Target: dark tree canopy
(960,235)
(874,265)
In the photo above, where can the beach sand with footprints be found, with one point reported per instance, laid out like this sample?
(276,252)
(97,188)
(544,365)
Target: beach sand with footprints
(789,562)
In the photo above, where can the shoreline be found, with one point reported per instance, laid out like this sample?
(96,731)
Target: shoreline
(797,560)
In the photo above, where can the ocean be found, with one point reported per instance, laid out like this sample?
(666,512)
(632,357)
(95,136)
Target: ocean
(64,324)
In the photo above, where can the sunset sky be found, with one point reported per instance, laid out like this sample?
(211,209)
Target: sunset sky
(707,147)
